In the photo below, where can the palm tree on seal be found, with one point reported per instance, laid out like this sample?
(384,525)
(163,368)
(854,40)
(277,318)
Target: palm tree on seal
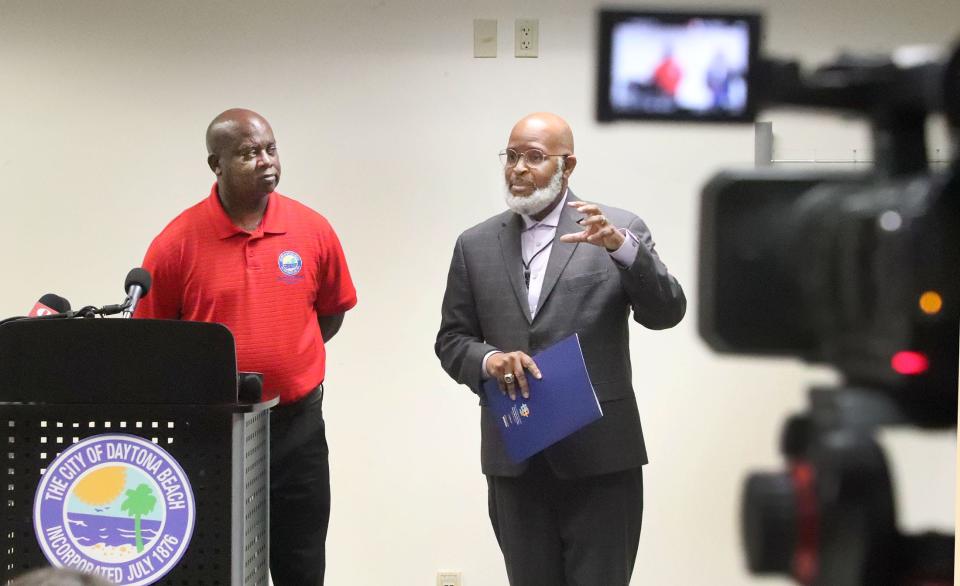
(139,502)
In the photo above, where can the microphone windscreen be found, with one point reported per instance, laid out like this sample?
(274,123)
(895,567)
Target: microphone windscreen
(138,276)
(55,302)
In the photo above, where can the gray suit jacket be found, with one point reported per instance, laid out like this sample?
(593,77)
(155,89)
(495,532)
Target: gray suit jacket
(585,292)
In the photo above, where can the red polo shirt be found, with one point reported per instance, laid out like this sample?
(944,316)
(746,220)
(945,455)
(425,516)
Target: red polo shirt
(268,286)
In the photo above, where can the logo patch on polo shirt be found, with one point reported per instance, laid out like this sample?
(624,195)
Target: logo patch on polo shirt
(289,262)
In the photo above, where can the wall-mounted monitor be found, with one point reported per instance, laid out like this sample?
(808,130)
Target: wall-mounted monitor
(673,65)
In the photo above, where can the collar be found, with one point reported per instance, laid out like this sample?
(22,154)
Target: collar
(273,221)
(553,218)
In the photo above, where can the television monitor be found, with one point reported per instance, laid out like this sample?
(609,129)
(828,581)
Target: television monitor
(677,66)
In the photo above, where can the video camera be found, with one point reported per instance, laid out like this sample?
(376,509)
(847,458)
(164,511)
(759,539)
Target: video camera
(859,271)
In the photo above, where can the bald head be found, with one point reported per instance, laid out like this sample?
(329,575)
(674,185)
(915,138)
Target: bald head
(536,184)
(58,577)
(547,128)
(229,125)
(242,152)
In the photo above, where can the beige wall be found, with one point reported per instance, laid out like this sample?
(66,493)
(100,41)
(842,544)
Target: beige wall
(389,127)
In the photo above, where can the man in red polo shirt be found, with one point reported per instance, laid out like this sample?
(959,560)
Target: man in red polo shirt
(272,270)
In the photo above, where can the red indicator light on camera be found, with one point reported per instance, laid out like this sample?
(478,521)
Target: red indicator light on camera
(909,363)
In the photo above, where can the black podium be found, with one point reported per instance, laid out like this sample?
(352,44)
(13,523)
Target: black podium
(170,383)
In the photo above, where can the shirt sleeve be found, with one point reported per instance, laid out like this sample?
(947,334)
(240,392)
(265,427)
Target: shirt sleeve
(625,255)
(163,300)
(335,290)
(483,366)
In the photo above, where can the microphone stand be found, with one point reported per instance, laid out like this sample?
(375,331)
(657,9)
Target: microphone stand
(89,311)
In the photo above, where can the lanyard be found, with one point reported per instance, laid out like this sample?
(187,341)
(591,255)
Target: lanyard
(526,265)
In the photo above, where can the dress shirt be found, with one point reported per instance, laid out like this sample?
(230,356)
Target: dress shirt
(539,235)
(536,242)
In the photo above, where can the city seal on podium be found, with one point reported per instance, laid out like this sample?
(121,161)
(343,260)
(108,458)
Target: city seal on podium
(117,506)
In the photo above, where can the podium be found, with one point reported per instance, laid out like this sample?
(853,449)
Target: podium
(110,430)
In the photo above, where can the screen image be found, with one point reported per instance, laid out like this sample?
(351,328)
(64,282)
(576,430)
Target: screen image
(676,66)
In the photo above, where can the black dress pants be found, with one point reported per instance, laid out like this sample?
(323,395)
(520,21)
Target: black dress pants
(567,532)
(299,492)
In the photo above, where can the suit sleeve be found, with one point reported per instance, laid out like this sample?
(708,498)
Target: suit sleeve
(460,343)
(656,296)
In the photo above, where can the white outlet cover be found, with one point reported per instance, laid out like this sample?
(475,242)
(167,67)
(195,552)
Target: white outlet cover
(447,578)
(526,37)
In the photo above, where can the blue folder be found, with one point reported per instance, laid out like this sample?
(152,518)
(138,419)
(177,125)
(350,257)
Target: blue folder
(560,403)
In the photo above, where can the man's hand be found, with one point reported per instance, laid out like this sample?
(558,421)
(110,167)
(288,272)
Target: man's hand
(597,229)
(513,363)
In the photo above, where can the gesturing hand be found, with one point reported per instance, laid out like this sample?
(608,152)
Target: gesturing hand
(597,229)
(502,364)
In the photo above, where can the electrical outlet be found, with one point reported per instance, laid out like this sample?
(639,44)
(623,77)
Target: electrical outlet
(449,579)
(527,37)
(484,37)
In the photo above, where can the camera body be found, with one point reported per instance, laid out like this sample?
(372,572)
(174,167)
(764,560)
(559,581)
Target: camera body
(858,271)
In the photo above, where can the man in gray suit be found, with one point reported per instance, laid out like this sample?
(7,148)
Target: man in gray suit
(549,267)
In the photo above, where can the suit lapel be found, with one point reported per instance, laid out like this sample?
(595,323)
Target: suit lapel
(511,251)
(561,252)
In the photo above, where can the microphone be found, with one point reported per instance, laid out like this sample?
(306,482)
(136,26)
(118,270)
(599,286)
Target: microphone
(49,304)
(137,285)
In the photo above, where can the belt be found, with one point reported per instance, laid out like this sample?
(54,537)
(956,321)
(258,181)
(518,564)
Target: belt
(313,397)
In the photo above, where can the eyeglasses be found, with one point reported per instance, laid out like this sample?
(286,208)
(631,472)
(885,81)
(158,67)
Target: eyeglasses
(533,157)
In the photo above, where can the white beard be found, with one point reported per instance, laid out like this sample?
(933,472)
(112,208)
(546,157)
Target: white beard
(540,199)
